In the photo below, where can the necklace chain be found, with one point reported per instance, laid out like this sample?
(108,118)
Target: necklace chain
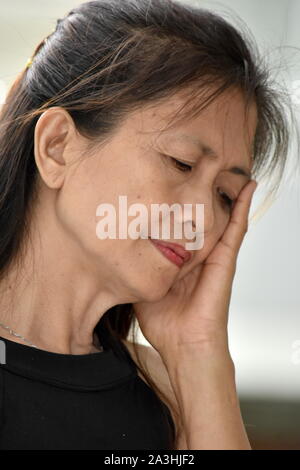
(12,332)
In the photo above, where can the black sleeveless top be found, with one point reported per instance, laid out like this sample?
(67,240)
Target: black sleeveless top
(92,401)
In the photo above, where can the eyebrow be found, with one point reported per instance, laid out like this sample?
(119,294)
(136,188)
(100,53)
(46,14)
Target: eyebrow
(206,150)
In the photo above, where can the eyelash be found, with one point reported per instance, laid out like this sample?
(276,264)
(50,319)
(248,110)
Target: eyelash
(184,167)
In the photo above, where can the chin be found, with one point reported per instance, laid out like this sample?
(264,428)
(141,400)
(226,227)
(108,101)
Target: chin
(154,291)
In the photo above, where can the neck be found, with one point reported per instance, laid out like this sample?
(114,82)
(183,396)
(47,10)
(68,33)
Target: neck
(63,322)
(55,299)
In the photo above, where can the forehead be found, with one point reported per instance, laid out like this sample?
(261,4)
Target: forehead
(223,126)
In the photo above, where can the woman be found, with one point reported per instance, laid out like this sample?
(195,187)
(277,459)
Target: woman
(86,122)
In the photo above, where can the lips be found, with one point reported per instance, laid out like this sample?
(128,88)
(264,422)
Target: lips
(178,249)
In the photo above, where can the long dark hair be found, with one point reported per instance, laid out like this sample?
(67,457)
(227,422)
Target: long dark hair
(107,58)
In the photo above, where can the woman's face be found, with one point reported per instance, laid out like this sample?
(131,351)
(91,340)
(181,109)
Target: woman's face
(137,163)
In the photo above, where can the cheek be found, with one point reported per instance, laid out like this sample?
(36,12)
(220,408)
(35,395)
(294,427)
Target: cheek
(76,215)
(216,222)
(136,270)
(210,241)
(101,181)
(76,207)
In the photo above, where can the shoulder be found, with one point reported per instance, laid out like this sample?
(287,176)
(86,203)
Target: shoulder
(154,365)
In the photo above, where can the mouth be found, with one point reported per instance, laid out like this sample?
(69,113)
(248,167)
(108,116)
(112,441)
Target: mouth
(172,251)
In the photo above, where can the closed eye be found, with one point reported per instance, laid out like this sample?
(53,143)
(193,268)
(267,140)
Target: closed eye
(227,200)
(181,166)
(185,167)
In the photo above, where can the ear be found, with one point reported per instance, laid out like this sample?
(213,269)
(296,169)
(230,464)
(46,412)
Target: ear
(53,132)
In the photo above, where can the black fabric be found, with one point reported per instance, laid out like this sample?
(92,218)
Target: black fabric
(82,402)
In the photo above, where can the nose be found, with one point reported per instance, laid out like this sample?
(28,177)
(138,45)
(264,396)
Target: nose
(208,224)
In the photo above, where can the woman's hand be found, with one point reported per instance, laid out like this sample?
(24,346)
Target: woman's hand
(194,312)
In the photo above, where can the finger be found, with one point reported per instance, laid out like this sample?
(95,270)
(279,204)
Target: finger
(238,224)
(219,267)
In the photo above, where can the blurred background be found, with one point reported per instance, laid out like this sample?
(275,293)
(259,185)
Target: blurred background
(264,320)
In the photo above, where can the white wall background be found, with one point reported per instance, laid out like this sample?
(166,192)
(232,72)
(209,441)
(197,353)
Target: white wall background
(265,306)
